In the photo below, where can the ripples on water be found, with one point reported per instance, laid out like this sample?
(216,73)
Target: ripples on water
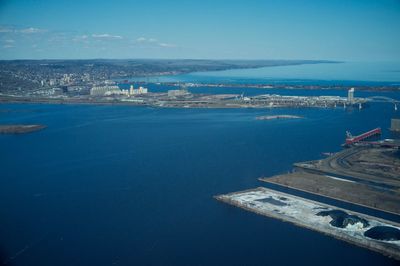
(134,185)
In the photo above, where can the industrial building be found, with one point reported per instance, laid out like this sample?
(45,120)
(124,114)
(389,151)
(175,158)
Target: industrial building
(140,90)
(108,90)
(104,90)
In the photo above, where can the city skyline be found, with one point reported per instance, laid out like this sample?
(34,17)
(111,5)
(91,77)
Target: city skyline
(338,30)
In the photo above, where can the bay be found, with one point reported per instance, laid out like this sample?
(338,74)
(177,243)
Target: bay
(127,185)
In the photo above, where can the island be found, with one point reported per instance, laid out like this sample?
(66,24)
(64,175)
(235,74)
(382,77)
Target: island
(20,129)
(273,117)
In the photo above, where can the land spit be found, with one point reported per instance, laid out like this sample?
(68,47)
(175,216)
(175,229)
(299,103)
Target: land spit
(273,117)
(19,129)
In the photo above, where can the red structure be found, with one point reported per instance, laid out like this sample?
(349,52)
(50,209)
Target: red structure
(351,140)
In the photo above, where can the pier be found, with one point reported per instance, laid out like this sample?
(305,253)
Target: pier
(355,228)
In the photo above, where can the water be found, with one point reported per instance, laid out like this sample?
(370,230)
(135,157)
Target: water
(346,73)
(123,185)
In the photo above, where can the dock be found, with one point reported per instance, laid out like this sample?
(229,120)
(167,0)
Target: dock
(359,229)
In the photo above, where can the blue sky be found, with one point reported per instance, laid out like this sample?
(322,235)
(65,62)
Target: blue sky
(361,30)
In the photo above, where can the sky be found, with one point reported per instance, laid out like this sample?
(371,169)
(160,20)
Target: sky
(362,30)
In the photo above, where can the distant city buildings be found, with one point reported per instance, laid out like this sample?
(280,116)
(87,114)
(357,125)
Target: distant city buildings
(140,90)
(104,90)
(109,82)
(66,79)
(108,90)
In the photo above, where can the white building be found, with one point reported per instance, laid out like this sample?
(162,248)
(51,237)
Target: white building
(104,90)
(140,90)
(350,95)
(115,92)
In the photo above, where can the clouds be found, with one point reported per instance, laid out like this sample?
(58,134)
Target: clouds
(26,41)
(152,42)
(167,45)
(139,42)
(5,29)
(107,36)
(141,39)
(8,43)
(80,38)
(146,40)
(19,30)
(32,30)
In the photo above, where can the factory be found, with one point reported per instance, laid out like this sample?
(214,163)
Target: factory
(140,90)
(104,90)
(108,90)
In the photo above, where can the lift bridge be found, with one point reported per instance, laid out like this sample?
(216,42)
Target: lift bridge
(384,99)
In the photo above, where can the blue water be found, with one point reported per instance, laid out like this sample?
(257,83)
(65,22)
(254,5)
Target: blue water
(123,185)
(345,73)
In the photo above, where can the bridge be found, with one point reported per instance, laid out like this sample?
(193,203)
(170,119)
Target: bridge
(382,99)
